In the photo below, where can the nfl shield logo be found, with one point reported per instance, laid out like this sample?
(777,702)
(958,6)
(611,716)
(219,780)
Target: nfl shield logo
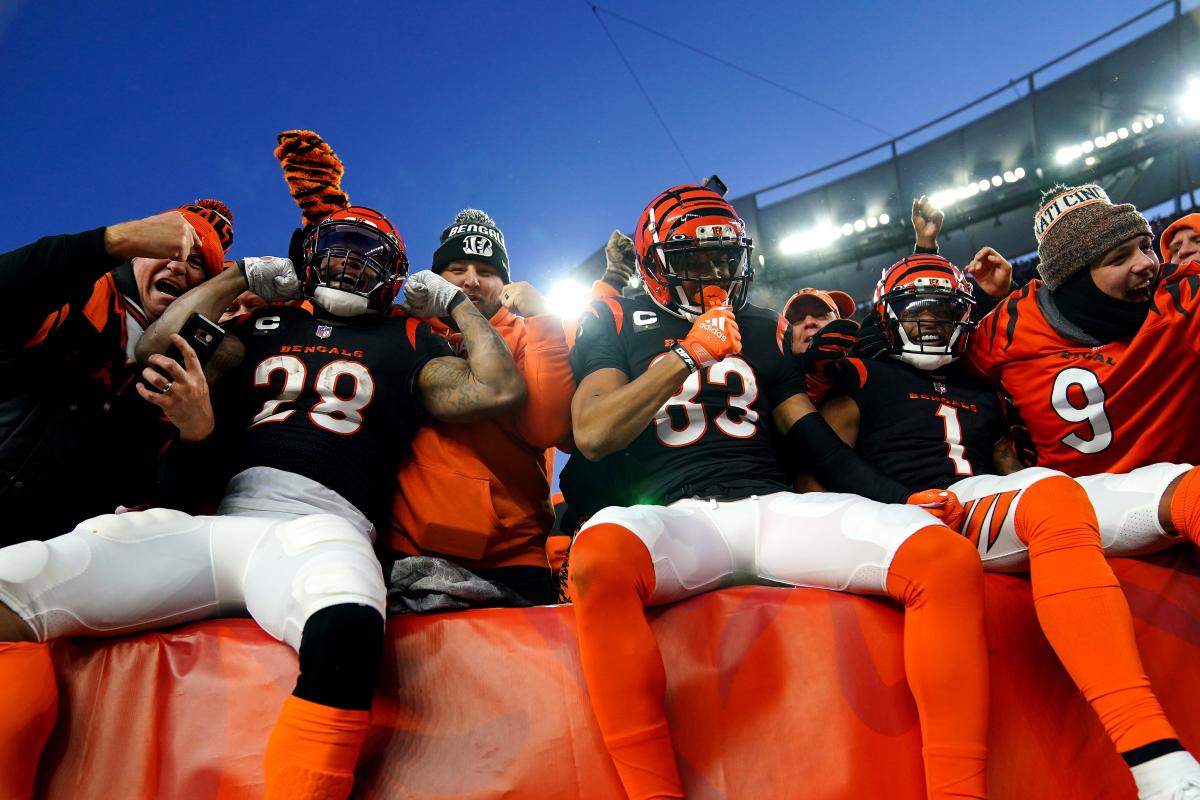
(939,387)
(323,331)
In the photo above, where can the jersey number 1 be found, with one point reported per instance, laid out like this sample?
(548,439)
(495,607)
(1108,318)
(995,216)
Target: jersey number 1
(949,415)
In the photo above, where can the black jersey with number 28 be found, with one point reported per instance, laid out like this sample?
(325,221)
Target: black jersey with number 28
(710,439)
(332,401)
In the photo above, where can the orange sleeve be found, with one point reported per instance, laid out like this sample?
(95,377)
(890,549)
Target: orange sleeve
(545,420)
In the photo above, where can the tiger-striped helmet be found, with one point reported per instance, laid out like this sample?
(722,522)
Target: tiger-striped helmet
(924,303)
(691,248)
(354,261)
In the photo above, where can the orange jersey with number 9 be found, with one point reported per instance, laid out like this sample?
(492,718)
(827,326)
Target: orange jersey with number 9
(1111,408)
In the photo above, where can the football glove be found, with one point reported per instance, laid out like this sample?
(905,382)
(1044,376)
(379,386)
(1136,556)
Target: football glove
(427,294)
(825,358)
(713,336)
(942,503)
(271,278)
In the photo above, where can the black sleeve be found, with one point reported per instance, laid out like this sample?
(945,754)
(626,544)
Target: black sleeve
(836,465)
(597,343)
(926,251)
(75,261)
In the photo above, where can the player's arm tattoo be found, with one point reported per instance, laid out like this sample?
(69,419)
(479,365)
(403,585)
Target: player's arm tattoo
(1004,457)
(486,384)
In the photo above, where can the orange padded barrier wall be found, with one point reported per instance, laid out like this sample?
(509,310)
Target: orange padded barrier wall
(773,693)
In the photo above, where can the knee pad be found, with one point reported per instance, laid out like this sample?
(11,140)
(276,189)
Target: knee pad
(1127,508)
(938,561)
(23,561)
(306,565)
(341,652)
(611,557)
(137,526)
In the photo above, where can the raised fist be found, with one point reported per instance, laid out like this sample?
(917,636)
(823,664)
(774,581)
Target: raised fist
(271,278)
(713,336)
(619,258)
(427,294)
(166,235)
(927,221)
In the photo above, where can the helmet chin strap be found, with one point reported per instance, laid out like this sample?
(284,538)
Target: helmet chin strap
(341,303)
(925,361)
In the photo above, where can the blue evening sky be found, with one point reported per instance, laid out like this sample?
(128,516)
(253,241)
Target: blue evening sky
(114,110)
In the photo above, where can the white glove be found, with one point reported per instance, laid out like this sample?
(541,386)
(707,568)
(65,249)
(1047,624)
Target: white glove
(427,294)
(273,279)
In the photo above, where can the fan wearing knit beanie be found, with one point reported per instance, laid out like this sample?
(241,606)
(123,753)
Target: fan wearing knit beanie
(66,352)
(473,257)
(478,494)
(1099,358)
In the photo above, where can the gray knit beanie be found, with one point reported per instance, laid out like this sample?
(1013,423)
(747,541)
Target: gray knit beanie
(1078,224)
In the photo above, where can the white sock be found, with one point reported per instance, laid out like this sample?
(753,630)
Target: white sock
(1158,777)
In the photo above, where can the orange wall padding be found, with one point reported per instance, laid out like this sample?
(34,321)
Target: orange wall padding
(773,693)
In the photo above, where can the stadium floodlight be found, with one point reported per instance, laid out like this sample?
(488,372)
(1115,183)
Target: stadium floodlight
(1160,119)
(884,219)
(1090,161)
(872,222)
(942,199)
(983,185)
(847,229)
(996,180)
(568,298)
(1087,146)
(1148,122)
(1019,172)
(860,225)
(1110,137)
(1010,176)
(1100,141)
(1136,126)
(1122,133)
(1189,102)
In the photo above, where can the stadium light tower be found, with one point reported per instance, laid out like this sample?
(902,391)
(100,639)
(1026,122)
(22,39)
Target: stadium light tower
(1189,102)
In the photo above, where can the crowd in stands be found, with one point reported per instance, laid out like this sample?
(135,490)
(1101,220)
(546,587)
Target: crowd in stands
(184,436)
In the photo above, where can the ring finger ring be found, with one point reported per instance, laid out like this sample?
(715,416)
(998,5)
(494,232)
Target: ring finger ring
(167,388)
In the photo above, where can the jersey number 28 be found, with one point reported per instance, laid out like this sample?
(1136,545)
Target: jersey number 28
(334,412)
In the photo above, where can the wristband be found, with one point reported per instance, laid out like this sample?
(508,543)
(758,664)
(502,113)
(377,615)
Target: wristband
(453,304)
(682,352)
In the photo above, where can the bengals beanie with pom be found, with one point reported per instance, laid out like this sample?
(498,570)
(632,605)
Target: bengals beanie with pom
(473,236)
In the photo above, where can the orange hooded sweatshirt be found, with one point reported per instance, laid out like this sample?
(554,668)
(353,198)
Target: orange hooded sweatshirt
(479,493)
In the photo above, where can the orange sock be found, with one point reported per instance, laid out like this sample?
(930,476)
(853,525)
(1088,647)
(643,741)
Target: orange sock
(313,751)
(611,580)
(1083,612)
(29,697)
(1185,506)
(937,575)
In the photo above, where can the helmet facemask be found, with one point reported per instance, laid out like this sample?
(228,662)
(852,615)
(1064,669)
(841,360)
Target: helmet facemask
(352,267)
(712,268)
(927,322)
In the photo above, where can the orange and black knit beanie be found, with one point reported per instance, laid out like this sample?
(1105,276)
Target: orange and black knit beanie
(1078,224)
(213,222)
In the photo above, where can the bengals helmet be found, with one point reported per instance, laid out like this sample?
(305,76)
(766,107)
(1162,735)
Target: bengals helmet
(924,303)
(353,262)
(692,234)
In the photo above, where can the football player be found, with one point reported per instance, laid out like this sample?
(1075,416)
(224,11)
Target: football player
(924,420)
(678,392)
(322,406)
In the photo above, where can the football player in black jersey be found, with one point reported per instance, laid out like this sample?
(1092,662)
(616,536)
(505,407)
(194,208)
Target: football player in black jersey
(678,390)
(922,419)
(322,404)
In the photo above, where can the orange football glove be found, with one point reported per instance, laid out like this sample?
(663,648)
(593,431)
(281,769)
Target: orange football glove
(942,503)
(713,336)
